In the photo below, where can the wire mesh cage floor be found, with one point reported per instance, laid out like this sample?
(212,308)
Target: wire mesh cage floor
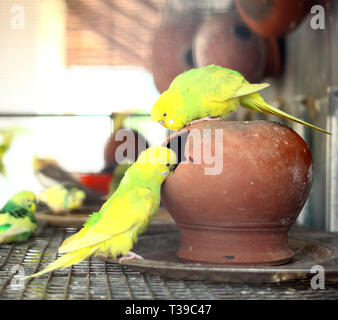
(97,279)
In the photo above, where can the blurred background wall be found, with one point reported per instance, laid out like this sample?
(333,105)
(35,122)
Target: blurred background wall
(91,58)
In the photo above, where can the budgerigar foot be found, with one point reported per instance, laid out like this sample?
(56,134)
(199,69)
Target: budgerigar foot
(204,119)
(131,255)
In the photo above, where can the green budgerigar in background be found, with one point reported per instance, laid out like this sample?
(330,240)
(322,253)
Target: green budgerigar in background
(63,197)
(49,173)
(118,175)
(115,228)
(211,91)
(6,139)
(17,217)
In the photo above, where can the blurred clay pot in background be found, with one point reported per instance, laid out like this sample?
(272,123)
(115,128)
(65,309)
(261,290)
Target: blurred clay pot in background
(97,181)
(135,145)
(273,18)
(225,40)
(242,214)
(172,49)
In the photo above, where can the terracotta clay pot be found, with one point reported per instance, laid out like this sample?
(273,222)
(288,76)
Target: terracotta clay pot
(242,214)
(225,40)
(136,146)
(273,18)
(274,57)
(172,49)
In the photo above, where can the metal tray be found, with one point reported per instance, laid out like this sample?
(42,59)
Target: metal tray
(65,219)
(311,248)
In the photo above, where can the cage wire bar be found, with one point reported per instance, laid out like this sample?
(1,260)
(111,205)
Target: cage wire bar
(97,279)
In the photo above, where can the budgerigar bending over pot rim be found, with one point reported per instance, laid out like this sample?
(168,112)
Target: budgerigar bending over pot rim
(211,91)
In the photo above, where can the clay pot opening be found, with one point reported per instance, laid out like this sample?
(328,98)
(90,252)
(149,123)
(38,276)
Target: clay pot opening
(189,58)
(177,144)
(242,31)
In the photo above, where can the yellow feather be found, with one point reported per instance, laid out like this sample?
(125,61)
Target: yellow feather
(74,237)
(256,102)
(66,261)
(250,88)
(127,210)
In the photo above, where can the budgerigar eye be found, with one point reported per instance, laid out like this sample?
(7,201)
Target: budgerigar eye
(168,164)
(164,114)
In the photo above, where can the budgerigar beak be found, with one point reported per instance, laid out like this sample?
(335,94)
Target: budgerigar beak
(161,122)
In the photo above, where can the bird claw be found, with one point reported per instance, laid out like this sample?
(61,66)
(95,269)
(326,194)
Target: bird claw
(204,119)
(131,255)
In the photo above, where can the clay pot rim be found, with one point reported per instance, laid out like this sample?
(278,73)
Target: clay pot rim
(188,128)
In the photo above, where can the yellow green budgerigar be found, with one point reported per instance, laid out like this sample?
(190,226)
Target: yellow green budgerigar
(211,91)
(63,197)
(6,138)
(124,216)
(17,220)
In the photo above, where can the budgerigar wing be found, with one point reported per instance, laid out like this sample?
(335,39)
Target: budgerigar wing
(134,209)
(215,83)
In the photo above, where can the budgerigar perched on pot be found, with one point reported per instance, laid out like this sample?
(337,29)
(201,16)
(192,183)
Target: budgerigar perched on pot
(63,197)
(211,91)
(124,216)
(17,220)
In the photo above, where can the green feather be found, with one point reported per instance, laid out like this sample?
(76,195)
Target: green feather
(23,236)
(4,227)
(17,212)
(18,237)
(93,219)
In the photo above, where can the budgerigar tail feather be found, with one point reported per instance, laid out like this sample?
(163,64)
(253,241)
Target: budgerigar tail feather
(256,102)
(248,88)
(75,236)
(66,260)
